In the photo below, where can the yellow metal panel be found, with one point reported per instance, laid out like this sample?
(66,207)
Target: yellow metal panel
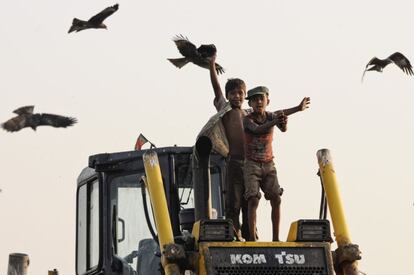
(196,232)
(293,232)
(261,244)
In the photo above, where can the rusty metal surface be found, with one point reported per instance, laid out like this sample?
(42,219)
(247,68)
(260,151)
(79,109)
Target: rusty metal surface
(18,264)
(173,258)
(345,257)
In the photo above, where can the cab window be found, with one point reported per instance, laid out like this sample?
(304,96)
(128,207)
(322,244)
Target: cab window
(88,232)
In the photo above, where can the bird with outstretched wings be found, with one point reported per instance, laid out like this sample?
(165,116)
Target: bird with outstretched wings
(397,58)
(95,22)
(199,56)
(26,118)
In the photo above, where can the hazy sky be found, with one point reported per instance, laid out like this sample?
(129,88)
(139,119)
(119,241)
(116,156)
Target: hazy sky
(118,83)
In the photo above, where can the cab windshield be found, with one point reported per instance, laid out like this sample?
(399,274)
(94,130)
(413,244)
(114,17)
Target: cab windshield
(131,235)
(129,225)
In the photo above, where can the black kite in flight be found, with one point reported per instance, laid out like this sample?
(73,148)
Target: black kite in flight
(95,22)
(26,118)
(199,56)
(397,58)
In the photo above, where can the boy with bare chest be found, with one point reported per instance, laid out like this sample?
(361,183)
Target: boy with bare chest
(232,120)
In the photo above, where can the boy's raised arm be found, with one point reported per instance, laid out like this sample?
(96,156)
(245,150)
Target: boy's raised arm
(303,105)
(214,80)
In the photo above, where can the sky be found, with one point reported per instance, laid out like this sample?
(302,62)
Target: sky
(118,83)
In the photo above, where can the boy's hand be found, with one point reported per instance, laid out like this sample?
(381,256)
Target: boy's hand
(304,104)
(281,121)
(212,59)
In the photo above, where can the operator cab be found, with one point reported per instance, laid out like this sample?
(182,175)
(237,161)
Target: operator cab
(115,231)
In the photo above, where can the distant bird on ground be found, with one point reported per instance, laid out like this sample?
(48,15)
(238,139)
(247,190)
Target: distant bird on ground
(95,22)
(199,56)
(397,58)
(26,118)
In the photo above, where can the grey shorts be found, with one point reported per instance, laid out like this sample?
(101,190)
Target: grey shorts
(260,175)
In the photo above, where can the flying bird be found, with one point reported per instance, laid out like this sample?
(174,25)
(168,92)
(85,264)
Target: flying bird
(26,118)
(199,56)
(95,22)
(397,58)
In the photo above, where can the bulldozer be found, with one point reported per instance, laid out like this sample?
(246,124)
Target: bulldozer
(162,211)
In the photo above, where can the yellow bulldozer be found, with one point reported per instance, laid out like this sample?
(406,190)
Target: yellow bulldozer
(161,211)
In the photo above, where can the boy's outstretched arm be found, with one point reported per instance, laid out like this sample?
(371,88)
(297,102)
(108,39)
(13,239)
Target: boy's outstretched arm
(280,120)
(214,80)
(303,105)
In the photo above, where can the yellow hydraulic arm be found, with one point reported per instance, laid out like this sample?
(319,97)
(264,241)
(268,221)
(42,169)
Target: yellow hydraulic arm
(160,209)
(348,252)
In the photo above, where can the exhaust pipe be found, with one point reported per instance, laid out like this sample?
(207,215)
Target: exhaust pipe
(201,178)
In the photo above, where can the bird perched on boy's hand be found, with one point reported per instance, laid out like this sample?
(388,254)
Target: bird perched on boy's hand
(199,56)
(26,118)
(95,22)
(397,58)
